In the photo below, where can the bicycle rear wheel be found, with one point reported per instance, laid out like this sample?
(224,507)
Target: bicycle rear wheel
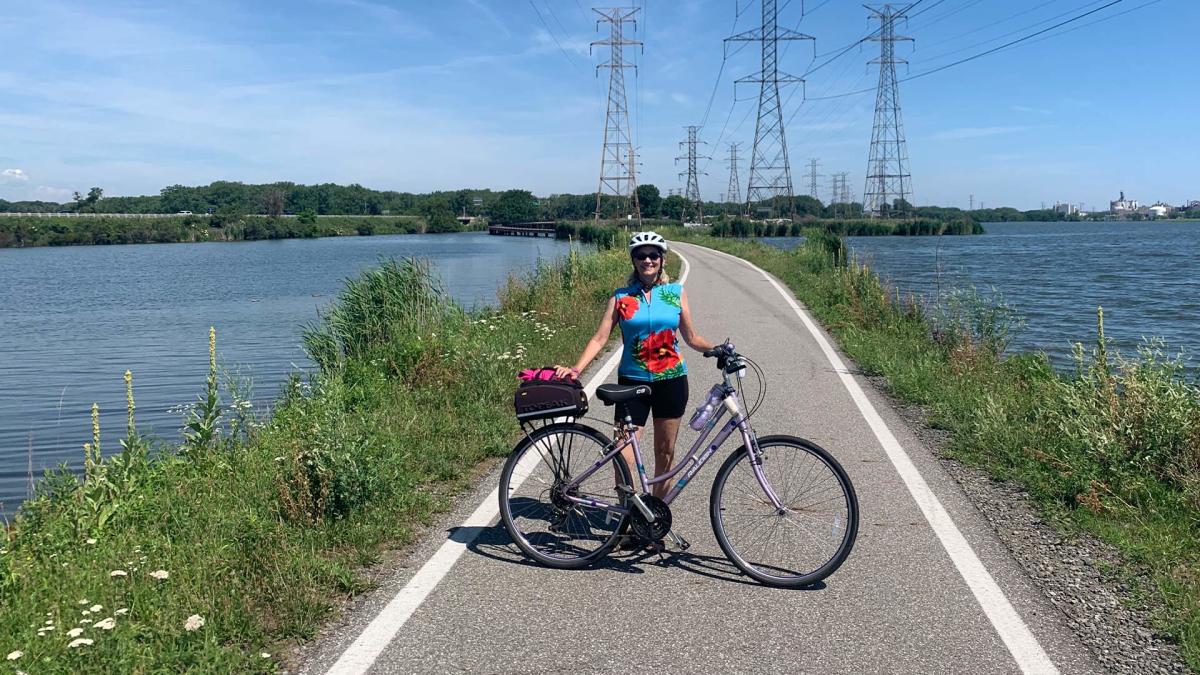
(805,541)
(533,488)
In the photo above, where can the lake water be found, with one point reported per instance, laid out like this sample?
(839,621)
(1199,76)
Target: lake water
(72,320)
(1146,275)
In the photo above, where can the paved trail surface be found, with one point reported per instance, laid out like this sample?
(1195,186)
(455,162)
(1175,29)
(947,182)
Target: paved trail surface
(914,597)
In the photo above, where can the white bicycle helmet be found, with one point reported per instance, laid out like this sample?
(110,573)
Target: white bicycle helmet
(647,239)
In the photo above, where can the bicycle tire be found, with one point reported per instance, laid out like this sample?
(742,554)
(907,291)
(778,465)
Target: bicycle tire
(582,536)
(780,573)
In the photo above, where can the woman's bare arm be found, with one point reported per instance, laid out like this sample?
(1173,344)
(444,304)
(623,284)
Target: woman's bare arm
(687,329)
(595,344)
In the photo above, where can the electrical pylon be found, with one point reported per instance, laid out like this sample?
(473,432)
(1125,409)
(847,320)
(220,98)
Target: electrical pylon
(692,192)
(812,178)
(887,169)
(733,194)
(770,174)
(618,173)
(839,193)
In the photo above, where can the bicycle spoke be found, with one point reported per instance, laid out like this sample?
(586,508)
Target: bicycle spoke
(540,513)
(790,545)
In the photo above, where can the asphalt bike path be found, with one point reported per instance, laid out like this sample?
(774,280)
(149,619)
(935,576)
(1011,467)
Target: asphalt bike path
(928,588)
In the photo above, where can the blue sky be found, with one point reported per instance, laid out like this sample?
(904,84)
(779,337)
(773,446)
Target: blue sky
(418,96)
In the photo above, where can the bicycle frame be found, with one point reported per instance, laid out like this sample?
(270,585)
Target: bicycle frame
(696,458)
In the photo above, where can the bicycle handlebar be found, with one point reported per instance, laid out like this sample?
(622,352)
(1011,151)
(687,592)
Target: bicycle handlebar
(728,360)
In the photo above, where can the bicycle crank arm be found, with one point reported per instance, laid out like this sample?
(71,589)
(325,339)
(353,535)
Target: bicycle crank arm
(646,512)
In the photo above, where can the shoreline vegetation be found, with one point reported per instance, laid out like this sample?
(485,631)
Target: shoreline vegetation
(1110,448)
(221,553)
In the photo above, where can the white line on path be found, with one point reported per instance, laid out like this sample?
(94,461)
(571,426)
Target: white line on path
(361,654)
(1021,643)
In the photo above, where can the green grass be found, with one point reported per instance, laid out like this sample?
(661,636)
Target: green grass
(262,527)
(1111,448)
(26,231)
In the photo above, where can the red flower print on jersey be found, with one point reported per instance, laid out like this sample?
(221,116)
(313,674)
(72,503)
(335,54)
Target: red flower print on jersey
(627,306)
(658,351)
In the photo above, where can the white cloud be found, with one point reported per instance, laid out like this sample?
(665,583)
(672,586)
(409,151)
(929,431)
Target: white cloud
(13,176)
(51,194)
(1027,109)
(964,133)
(679,98)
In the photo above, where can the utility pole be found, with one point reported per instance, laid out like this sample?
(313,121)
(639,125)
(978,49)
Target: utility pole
(734,193)
(618,174)
(692,193)
(770,174)
(812,178)
(887,169)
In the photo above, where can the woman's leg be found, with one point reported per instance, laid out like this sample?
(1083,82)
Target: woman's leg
(665,432)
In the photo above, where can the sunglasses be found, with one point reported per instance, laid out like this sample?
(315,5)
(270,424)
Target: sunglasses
(651,255)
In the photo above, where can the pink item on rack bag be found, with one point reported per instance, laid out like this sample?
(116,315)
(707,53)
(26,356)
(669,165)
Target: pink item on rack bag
(545,373)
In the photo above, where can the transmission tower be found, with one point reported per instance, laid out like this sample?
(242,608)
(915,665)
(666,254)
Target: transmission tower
(692,193)
(770,174)
(887,169)
(840,194)
(734,193)
(812,178)
(618,173)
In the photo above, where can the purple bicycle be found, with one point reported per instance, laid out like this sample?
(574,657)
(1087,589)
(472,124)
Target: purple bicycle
(782,509)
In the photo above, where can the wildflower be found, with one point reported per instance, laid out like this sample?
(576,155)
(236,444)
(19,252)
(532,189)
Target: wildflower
(123,611)
(96,608)
(13,656)
(49,622)
(91,541)
(118,573)
(265,655)
(86,612)
(45,628)
(75,632)
(85,621)
(107,624)
(83,601)
(194,622)
(81,642)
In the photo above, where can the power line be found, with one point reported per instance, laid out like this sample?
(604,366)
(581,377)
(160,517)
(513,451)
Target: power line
(985,53)
(553,36)
(1009,44)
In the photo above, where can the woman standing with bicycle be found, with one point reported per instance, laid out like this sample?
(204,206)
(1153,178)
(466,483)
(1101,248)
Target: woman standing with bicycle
(653,314)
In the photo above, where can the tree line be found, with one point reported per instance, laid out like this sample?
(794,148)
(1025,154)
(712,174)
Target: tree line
(228,201)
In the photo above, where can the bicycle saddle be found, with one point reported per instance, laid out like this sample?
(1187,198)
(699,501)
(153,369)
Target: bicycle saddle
(620,393)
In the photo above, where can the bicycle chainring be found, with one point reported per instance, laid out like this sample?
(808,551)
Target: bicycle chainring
(662,519)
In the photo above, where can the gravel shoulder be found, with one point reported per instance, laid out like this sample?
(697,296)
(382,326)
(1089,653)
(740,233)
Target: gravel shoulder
(1078,574)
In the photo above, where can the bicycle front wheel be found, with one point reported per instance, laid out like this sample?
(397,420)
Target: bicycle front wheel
(534,489)
(801,543)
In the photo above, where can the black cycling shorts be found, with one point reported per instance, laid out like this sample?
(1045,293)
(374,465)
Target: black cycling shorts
(668,399)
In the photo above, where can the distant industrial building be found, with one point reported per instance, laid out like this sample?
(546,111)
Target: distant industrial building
(1066,209)
(1122,205)
(1157,210)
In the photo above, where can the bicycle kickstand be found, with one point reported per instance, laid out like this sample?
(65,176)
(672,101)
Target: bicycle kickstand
(678,540)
